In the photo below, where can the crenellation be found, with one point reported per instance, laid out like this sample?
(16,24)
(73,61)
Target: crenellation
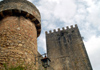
(59,30)
(76,25)
(67,28)
(71,27)
(67,42)
(54,30)
(63,28)
(46,32)
(50,31)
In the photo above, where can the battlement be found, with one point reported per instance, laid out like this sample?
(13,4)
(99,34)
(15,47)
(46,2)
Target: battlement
(67,45)
(63,29)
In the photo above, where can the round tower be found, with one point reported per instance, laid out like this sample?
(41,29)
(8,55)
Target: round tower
(20,25)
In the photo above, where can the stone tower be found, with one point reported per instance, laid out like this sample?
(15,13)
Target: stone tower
(66,50)
(20,25)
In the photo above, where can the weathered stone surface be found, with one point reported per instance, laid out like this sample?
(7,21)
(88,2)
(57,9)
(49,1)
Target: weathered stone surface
(16,46)
(21,8)
(66,50)
(40,67)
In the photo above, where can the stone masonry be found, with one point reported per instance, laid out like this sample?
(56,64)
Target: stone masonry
(20,25)
(40,67)
(66,50)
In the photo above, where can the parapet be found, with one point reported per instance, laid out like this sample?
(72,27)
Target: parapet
(21,8)
(63,29)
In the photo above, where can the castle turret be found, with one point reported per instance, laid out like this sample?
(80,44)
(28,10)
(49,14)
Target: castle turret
(20,25)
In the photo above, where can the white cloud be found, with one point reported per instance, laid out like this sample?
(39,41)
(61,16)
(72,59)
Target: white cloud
(94,14)
(93,47)
(65,11)
(93,44)
(58,9)
(57,1)
(62,13)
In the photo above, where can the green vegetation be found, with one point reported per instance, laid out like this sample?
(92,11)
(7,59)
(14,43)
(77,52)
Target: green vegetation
(14,68)
(20,67)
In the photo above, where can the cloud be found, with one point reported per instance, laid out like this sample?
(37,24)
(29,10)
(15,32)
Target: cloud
(94,14)
(65,11)
(58,9)
(93,47)
(61,13)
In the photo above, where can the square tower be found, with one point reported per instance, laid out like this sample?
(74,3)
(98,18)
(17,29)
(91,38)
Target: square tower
(66,50)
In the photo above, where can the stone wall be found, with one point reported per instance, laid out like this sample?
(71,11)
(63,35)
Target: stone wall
(20,25)
(20,5)
(40,67)
(21,8)
(66,50)
(18,42)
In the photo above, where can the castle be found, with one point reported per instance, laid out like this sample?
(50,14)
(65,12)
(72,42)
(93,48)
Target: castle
(66,50)
(20,25)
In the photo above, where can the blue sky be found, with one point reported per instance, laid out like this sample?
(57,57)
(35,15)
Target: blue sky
(61,13)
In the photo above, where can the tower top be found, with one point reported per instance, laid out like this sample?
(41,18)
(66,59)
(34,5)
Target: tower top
(71,28)
(21,8)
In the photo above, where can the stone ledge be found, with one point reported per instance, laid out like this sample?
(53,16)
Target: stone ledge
(21,8)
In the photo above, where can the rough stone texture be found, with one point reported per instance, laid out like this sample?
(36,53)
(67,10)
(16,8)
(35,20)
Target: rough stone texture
(20,5)
(20,25)
(40,67)
(21,8)
(18,42)
(66,50)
